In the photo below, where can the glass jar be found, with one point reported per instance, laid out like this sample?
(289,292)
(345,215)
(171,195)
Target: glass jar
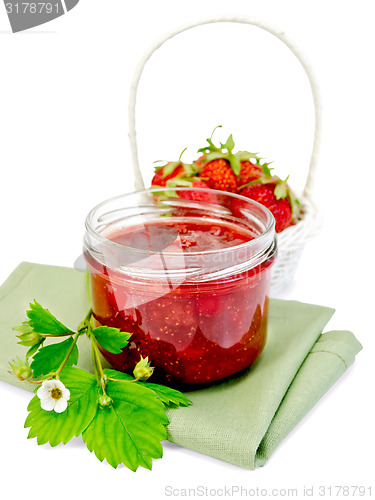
(187,272)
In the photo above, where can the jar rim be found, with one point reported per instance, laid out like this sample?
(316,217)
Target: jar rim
(267,235)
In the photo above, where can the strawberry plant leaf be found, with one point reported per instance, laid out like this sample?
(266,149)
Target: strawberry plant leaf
(134,425)
(111,339)
(55,428)
(33,349)
(42,321)
(122,420)
(170,397)
(50,357)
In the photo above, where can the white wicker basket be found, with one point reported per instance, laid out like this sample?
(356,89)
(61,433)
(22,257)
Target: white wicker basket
(292,240)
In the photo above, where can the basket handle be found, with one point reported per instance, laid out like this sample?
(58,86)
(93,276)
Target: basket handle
(139,183)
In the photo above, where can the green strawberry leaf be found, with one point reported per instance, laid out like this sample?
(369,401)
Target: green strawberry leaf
(34,349)
(246,155)
(42,321)
(110,372)
(111,339)
(30,339)
(215,156)
(281,190)
(229,145)
(170,397)
(234,163)
(55,428)
(293,200)
(179,183)
(170,167)
(134,426)
(49,358)
(211,146)
(164,195)
(266,170)
(190,169)
(24,328)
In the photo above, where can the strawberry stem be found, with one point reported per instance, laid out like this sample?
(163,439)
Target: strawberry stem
(183,151)
(218,126)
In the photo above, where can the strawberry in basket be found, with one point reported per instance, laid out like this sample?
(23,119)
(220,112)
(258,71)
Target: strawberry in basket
(225,170)
(179,174)
(193,182)
(173,170)
(242,172)
(273,193)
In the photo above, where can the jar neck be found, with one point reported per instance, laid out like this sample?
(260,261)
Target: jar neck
(247,242)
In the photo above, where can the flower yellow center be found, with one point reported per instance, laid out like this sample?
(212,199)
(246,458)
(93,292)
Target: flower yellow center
(56,393)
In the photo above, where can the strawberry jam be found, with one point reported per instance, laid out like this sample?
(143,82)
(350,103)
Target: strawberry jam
(191,287)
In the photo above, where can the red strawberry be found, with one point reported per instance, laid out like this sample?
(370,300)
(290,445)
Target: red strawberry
(160,179)
(171,170)
(219,175)
(249,172)
(193,195)
(276,195)
(225,170)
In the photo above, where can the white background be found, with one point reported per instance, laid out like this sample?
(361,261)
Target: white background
(63,128)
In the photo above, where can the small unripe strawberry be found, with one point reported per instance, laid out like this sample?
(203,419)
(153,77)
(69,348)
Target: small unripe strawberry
(21,369)
(104,400)
(143,370)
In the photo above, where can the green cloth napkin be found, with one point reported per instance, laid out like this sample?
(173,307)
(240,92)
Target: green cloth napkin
(240,421)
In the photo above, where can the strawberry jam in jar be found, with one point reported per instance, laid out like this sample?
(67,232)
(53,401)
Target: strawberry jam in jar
(186,272)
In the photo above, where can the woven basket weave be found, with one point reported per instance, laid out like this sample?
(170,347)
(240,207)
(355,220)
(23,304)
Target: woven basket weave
(292,240)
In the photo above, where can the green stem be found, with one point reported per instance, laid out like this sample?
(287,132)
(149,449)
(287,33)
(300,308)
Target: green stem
(37,381)
(58,371)
(85,324)
(118,380)
(98,364)
(93,357)
(99,373)
(55,336)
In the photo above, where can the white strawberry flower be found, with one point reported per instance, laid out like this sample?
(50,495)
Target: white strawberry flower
(53,395)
